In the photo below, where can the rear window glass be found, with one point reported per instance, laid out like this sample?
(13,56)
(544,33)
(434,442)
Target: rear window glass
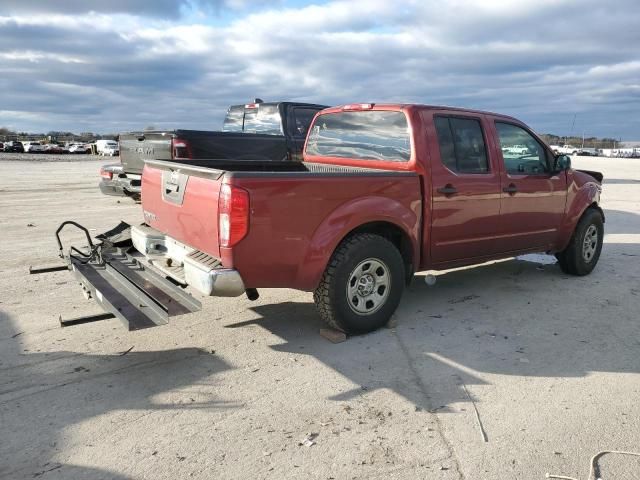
(233,120)
(263,119)
(365,135)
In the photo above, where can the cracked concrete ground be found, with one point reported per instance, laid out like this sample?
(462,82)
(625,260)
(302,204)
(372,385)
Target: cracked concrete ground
(550,363)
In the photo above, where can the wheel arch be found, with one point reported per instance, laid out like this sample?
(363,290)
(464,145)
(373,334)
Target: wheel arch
(388,218)
(395,235)
(587,198)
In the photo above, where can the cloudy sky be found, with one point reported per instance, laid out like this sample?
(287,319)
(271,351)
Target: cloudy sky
(115,65)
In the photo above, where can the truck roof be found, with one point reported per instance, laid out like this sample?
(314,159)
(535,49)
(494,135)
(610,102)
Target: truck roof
(418,106)
(295,104)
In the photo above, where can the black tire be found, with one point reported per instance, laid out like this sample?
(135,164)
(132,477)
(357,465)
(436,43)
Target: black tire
(579,258)
(338,307)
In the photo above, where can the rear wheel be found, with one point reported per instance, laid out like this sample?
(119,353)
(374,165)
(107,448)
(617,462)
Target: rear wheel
(362,285)
(582,254)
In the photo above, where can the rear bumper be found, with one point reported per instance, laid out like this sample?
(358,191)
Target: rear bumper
(186,265)
(109,187)
(121,184)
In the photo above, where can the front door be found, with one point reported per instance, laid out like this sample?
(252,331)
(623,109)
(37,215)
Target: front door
(532,198)
(465,188)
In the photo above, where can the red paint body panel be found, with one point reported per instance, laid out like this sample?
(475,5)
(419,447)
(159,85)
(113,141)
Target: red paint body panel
(582,191)
(297,219)
(296,223)
(463,225)
(194,222)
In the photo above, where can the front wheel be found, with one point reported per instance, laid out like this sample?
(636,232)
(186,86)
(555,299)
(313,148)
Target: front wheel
(362,285)
(582,254)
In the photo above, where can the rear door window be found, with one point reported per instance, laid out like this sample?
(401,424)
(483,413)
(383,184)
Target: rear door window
(462,147)
(362,135)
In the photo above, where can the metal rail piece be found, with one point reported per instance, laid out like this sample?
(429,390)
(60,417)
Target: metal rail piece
(136,294)
(139,297)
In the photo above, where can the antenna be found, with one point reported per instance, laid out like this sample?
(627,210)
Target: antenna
(573,124)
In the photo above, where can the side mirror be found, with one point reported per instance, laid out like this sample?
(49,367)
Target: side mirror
(563,162)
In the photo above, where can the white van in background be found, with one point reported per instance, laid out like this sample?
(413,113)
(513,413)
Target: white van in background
(107,147)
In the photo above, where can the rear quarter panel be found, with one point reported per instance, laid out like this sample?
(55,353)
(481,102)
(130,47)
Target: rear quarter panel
(297,222)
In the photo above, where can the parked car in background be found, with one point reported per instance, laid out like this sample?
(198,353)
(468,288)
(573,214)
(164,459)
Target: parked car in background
(14,146)
(384,191)
(106,147)
(588,152)
(1,146)
(111,151)
(567,150)
(79,148)
(33,147)
(54,148)
(516,149)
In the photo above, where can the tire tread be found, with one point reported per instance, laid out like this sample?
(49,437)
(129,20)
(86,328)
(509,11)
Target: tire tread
(321,295)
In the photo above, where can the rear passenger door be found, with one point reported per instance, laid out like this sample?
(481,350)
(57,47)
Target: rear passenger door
(465,188)
(532,198)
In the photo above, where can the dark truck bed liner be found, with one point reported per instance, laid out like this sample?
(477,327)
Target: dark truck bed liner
(136,148)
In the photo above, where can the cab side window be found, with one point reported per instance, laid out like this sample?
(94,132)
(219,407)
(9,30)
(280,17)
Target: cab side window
(302,118)
(522,153)
(462,147)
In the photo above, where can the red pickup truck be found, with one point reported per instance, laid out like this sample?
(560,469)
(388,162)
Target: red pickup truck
(384,191)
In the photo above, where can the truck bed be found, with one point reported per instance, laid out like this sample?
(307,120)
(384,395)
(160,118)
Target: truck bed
(291,204)
(138,147)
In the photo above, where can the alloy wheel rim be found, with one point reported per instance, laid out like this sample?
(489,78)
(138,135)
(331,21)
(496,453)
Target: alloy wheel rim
(368,286)
(590,243)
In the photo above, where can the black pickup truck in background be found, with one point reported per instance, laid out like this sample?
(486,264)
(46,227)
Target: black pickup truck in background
(253,132)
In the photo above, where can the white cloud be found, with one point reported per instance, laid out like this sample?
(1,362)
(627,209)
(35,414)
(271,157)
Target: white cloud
(532,59)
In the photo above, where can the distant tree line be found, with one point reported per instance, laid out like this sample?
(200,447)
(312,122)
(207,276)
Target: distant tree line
(589,142)
(7,134)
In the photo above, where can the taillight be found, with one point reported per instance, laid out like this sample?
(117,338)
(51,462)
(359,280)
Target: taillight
(180,149)
(233,215)
(106,174)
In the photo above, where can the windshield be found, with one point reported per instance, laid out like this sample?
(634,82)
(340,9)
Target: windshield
(365,135)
